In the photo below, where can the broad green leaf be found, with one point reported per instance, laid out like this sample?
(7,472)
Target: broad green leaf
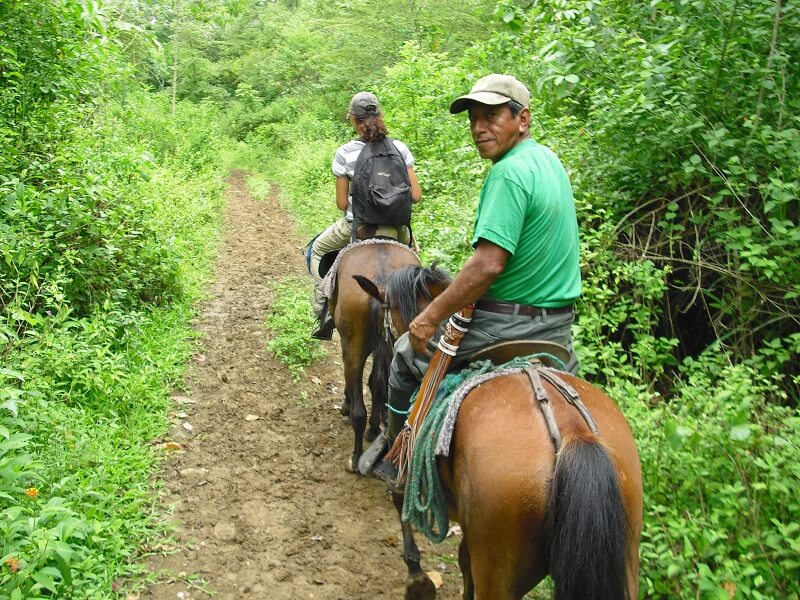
(740,432)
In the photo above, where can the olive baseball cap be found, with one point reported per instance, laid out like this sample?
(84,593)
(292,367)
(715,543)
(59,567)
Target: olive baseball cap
(493,89)
(363,104)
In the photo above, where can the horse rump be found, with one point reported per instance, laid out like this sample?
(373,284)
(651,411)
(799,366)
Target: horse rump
(586,528)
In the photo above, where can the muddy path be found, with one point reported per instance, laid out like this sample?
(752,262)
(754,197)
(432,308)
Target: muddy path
(264,507)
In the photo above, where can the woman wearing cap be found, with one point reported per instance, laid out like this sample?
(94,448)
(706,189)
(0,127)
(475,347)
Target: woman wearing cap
(367,119)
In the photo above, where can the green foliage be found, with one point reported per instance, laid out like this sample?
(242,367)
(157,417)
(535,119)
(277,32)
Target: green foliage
(291,322)
(74,501)
(678,124)
(691,111)
(79,239)
(54,60)
(108,216)
(720,470)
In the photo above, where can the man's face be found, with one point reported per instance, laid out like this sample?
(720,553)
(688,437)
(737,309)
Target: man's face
(494,130)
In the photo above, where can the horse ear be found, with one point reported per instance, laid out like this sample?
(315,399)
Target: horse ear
(368,286)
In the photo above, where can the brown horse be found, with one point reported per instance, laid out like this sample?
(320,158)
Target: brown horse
(525,509)
(360,324)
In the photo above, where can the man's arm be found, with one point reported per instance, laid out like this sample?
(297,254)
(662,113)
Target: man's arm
(472,282)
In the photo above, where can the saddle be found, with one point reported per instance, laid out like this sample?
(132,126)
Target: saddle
(550,354)
(381,232)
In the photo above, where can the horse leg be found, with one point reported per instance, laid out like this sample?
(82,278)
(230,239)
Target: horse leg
(466,572)
(345,409)
(501,554)
(418,585)
(632,499)
(487,577)
(378,388)
(633,570)
(353,372)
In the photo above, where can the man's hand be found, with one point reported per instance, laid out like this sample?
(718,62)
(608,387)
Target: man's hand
(480,270)
(420,333)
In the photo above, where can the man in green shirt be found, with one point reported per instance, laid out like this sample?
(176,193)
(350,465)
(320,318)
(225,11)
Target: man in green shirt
(524,275)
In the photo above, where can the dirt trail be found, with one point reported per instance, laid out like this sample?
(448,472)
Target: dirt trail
(265,507)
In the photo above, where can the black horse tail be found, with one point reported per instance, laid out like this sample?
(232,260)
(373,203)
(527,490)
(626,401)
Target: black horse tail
(381,360)
(585,525)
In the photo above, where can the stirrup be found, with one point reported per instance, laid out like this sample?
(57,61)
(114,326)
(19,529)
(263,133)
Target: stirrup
(376,451)
(387,472)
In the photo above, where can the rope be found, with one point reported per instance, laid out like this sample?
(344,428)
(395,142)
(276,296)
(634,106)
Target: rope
(424,504)
(397,411)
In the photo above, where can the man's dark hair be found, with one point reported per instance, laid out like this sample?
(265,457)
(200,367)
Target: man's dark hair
(515,107)
(371,128)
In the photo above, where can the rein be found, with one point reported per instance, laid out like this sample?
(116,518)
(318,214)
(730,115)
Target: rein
(390,332)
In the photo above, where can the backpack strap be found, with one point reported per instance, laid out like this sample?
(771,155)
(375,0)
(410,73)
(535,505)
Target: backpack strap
(357,187)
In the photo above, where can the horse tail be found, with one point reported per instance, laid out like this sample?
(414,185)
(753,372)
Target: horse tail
(585,525)
(381,358)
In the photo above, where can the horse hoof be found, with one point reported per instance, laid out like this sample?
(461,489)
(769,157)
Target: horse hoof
(349,467)
(420,587)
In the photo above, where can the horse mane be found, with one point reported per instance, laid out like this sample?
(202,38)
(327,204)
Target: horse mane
(406,285)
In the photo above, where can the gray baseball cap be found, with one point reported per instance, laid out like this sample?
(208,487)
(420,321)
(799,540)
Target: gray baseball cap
(363,104)
(493,89)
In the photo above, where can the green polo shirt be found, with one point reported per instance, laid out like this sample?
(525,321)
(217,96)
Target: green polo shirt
(526,207)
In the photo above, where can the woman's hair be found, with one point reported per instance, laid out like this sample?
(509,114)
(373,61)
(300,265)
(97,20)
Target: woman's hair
(371,128)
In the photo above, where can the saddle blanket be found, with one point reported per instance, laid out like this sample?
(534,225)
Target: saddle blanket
(329,281)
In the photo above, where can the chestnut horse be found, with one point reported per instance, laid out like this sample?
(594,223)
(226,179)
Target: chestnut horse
(360,324)
(525,509)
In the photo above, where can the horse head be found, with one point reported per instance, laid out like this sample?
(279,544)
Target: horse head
(407,292)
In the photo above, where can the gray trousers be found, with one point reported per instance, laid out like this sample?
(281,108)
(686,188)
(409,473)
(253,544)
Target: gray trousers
(486,328)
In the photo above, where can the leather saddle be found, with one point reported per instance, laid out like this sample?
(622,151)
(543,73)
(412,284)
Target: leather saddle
(502,352)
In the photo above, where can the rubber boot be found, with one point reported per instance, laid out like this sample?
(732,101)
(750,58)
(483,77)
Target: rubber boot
(399,401)
(395,425)
(325,329)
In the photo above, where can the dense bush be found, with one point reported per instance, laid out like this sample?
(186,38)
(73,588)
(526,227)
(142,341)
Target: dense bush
(720,465)
(84,386)
(691,109)
(109,206)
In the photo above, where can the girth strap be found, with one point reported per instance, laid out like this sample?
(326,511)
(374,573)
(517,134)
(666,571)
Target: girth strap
(536,371)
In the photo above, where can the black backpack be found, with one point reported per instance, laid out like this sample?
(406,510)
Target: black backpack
(381,191)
